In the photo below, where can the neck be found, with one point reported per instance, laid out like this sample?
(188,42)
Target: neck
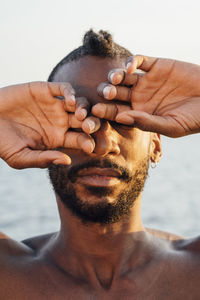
(99,252)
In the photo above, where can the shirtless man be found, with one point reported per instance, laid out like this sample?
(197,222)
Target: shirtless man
(102,250)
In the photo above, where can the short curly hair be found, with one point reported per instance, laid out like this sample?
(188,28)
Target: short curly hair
(99,44)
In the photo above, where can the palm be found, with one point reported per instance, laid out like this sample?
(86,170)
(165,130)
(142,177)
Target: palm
(170,90)
(165,99)
(33,120)
(38,113)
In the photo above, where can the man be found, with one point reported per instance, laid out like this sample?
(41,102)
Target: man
(102,250)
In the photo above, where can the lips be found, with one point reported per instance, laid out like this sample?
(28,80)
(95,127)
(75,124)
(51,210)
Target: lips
(99,172)
(99,176)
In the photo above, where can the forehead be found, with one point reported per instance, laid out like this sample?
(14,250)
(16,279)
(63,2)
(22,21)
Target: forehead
(86,73)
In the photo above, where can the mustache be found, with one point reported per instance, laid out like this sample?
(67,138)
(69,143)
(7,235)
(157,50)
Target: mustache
(96,163)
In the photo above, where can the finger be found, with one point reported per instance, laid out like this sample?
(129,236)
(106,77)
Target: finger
(55,89)
(61,89)
(116,76)
(64,91)
(119,76)
(74,122)
(109,111)
(28,158)
(67,107)
(147,122)
(141,62)
(110,92)
(69,94)
(82,108)
(70,108)
(70,99)
(107,90)
(79,140)
(91,125)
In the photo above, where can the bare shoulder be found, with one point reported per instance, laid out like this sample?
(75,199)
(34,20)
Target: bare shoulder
(178,242)
(192,245)
(11,253)
(17,261)
(37,242)
(164,235)
(3,236)
(10,248)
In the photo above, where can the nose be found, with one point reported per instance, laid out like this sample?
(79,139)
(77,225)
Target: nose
(106,140)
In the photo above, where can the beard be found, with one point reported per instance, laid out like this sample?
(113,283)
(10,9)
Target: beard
(64,178)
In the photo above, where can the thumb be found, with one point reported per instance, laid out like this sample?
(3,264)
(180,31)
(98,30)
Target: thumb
(28,158)
(165,125)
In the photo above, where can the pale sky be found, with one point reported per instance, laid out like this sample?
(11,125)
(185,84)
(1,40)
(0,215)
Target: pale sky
(35,34)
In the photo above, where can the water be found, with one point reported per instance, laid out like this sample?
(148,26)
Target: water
(171,200)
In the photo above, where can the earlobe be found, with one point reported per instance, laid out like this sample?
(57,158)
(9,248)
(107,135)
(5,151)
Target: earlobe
(155,149)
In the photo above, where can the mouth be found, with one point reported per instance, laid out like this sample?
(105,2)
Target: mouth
(102,177)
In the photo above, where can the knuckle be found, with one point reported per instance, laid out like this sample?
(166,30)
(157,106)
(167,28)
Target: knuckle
(80,138)
(67,88)
(67,85)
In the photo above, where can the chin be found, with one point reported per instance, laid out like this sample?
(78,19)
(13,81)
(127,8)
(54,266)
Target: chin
(96,194)
(99,191)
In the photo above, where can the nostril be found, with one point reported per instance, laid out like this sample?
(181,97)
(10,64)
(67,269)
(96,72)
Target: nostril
(103,148)
(105,140)
(115,150)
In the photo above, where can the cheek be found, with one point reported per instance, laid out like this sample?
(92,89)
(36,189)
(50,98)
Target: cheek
(135,147)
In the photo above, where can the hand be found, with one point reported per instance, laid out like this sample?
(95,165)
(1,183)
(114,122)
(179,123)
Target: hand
(33,121)
(165,99)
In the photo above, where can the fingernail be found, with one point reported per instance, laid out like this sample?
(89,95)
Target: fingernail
(88,146)
(60,161)
(128,65)
(91,125)
(106,92)
(73,98)
(67,158)
(83,113)
(116,78)
(112,76)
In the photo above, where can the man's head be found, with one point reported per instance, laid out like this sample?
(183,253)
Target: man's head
(103,186)
(98,45)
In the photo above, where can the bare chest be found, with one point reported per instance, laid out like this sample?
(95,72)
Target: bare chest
(39,285)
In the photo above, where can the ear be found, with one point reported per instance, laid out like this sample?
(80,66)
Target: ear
(155,148)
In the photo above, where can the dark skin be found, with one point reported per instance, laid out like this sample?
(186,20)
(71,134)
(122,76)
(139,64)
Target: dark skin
(123,260)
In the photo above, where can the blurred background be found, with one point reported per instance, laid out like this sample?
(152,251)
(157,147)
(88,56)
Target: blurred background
(35,35)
